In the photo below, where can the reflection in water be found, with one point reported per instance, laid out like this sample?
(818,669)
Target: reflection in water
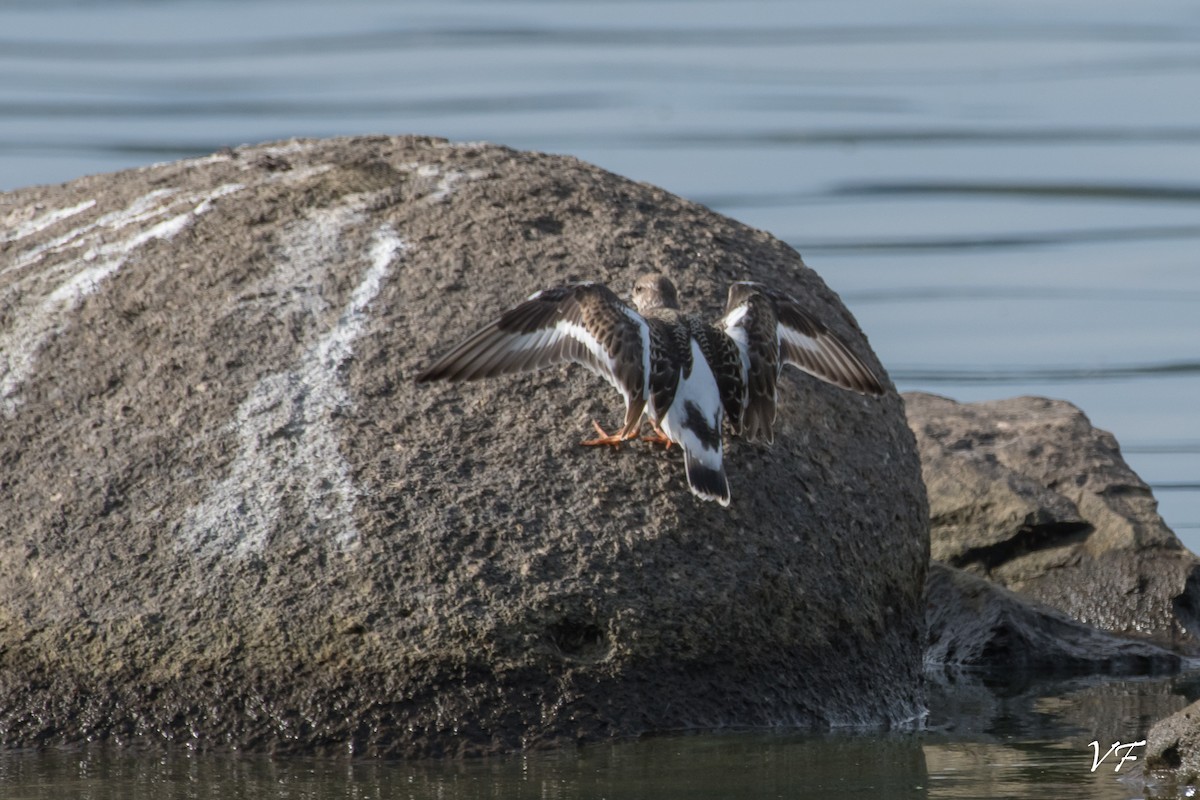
(1043,769)
(1017,740)
(1018,706)
(722,766)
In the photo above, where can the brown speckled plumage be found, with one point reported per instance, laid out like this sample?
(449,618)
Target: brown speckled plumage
(774,331)
(682,373)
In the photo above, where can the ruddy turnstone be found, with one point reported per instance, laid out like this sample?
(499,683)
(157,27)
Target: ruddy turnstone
(674,369)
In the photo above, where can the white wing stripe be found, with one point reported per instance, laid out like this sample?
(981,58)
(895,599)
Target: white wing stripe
(797,339)
(644,335)
(601,362)
(582,335)
(734,318)
(741,337)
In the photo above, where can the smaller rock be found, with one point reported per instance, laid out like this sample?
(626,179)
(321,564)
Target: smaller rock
(1026,493)
(1173,751)
(975,624)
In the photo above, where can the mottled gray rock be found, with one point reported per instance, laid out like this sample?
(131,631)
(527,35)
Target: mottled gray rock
(1172,755)
(232,520)
(977,625)
(1025,492)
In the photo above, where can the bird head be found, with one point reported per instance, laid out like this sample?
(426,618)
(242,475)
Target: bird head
(654,291)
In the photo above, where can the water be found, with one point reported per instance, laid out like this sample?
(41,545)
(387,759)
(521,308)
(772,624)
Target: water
(1014,740)
(1005,193)
(1011,744)
(1022,746)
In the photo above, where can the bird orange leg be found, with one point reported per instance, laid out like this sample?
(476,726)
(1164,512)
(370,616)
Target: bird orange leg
(614,439)
(659,437)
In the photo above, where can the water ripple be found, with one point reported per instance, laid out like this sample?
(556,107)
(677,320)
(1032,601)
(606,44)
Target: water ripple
(988,293)
(1088,191)
(1024,375)
(321,107)
(930,136)
(1163,448)
(564,32)
(999,241)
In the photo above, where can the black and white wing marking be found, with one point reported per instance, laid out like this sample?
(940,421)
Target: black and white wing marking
(729,368)
(693,420)
(583,323)
(751,322)
(771,329)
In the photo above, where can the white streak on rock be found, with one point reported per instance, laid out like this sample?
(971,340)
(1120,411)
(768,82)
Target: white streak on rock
(145,207)
(109,258)
(219,157)
(288,454)
(30,227)
(441,185)
(147,204)
(45,299)
(148,207)
(207,200)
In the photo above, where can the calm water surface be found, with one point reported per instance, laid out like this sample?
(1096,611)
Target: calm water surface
(1020,740)
(713,766)
(1015,741)
(1006,195)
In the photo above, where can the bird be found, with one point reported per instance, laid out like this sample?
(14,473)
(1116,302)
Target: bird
(685,376)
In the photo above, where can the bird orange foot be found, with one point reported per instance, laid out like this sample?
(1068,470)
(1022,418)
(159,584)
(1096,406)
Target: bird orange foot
(659,437)
(613,439)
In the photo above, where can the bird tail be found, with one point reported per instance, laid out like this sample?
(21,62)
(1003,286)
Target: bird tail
(706,474)
(758,422)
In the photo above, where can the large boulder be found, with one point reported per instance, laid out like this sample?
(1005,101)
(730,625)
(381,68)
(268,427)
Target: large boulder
(1026,493)
(231,519)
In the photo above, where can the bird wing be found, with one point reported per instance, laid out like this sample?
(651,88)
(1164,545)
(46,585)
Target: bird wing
(582,323)
(771,329)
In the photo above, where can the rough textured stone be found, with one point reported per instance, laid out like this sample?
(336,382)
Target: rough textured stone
(232,520)
(1172,756)
(974,624)
(1026,493)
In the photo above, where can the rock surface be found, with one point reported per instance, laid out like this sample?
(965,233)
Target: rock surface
(1172,757)
(232,520)
(1026,493)
(976,625)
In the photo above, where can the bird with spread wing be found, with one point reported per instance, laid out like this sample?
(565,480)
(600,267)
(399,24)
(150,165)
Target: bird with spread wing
(682,374)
